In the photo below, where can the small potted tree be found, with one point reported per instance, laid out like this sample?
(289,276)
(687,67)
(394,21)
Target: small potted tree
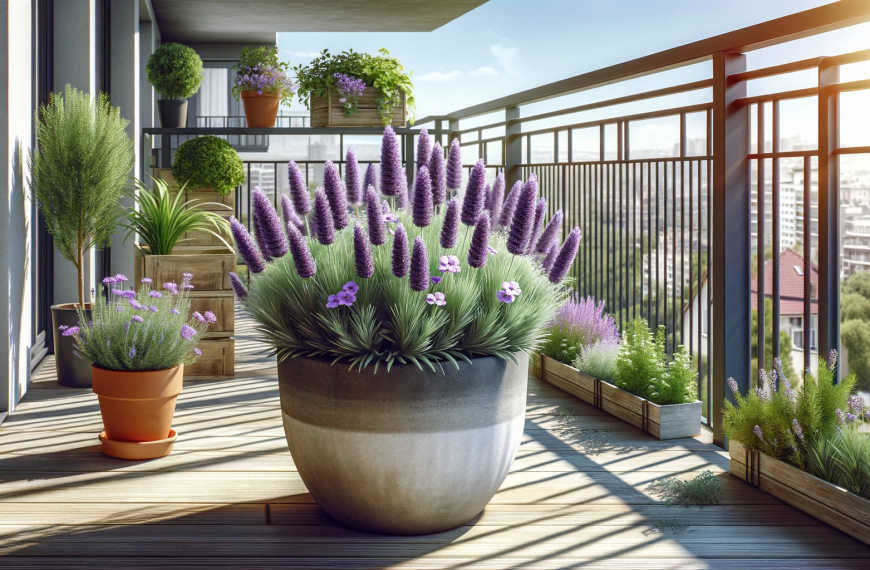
(139,345)
(263,85)
(175,71)
(356,90)
(77,173)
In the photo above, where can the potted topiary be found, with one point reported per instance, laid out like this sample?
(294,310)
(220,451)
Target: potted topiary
(402,342)
(207,166)
(262,84)
(139,344)
(175,71)
(77,173)
(356,90)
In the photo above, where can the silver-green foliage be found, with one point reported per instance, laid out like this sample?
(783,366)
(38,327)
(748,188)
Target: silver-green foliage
(78,171)
(117,340)
(162,220)
(704,489)
(389,322)
(598,361)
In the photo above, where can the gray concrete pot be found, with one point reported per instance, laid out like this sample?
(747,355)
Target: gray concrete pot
(404,452)
(72,371)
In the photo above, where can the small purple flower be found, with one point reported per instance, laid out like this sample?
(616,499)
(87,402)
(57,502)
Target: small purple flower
(210,317)
(172,287)
(119,308)
(132,352)
(511,288)
(155,294)
(134,303)
(147,280)
(492,250)
(436,299)
(856,404)
(187,332)
(449,263)
(351,287)
(174,312)
(187,276)
(332,302)
(390,218)
(238,287)
(435,280)
(187,286)
(62,327)
(504,297)
(400,260)
(71,331)
(109,281)
(345,298)
(758,433)
(198,316)
(733,385)
(832,359)
(153,308)
(197,351)
(137,318)
(120,278)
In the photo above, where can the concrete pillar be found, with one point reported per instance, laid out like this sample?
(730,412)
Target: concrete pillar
(16,114)
(147,115)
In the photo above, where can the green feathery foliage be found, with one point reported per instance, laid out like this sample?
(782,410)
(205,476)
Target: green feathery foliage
(389,322)
(162,220)
(151,330)
(78,171)
(208,162)
(598,361)
(705,489)
(175,71)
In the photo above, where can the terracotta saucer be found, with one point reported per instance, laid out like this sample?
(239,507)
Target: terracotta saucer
(138,450)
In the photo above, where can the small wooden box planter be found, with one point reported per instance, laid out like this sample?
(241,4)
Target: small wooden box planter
(210,267)
(206,200)
(664,422)
(330,112)
(829,503)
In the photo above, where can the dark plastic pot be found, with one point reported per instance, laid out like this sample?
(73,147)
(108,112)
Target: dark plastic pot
(72,371)
(172,113)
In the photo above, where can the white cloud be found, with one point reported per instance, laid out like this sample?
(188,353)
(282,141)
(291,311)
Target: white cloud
(483,71)
(505,56)
(442,77)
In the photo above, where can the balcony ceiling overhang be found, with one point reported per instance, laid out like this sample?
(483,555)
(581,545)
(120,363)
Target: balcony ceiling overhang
(257,21)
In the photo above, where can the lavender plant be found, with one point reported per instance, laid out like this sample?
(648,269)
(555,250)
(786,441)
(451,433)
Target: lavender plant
(371,300)
(260,70)
(149,330)
(349,89)
(579,323)
(598,360)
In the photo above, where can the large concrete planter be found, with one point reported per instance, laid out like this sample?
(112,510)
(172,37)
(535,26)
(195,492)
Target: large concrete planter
(72,371)
(405,451)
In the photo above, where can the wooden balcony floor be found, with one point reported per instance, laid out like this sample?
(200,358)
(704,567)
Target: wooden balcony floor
(229,497)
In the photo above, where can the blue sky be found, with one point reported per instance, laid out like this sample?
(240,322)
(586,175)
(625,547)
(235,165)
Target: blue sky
(506,46)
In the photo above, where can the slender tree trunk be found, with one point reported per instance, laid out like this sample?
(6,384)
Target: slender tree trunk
(80,266)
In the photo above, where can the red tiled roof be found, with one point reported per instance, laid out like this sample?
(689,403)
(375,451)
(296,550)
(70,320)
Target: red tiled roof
(791,284)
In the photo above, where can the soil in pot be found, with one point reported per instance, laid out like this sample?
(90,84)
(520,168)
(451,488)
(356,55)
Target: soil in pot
(261,111)
(172,113)
(72,371)
(406,452)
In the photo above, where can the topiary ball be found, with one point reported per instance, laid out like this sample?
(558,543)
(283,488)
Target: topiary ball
(175,71)
(208,162)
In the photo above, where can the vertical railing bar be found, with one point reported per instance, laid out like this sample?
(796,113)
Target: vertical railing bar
(634,248)
(682,135)
(665,248)
(621,241)
(776,208)
(555,146)
(673,334)
(658,231)
(683,247)
(761,205)
(709,292)
(808,242)
(692,266)
(640,246)
(249,196)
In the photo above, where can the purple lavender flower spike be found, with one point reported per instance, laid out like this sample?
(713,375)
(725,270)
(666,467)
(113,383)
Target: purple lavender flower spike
(550,233)
(298,189)
(324,229)
(454,166)
(524,218)
(393,182)
(238,287)
(759,434)
(475,199)
(510,205)
(247,248)
(187,332)
(450,227)
(419,266)
(402,200)
(270,225)
(371,177)
(732,383)
(479,250)
(422,212)
(259,237)
(424,149)
(436,175)
(487,196)
(377,228)
(302,258)
(289,213)
(401,262)
(540,212)
(797,429)
(566,257)
(496,198)
(362,253)
(351,178)
(334,189)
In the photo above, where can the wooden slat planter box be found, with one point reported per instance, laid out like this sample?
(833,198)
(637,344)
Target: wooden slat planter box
(664,422)
(330,113)
(210,267)
(208,200)
(827,502)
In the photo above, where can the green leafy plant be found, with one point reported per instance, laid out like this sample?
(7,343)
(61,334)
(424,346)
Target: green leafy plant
(175,71)
(162,220)
(260,70)
(383,72)
(578,324)
(598,361)
(704,489)
(78,171)
(151,330)
(208,162)
(642,367)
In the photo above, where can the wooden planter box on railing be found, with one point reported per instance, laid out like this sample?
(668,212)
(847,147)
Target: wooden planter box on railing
(664,422)
(827,502)
(330,112)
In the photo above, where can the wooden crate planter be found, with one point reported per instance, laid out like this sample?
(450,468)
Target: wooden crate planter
(664,422)
(829,503)
(330,113)
(210,267)
(208,200)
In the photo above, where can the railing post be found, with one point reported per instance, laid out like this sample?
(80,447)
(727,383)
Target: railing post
(829,215)
(410,169)
(731,253)
(513,145)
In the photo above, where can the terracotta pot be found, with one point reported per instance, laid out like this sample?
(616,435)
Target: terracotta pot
(408,451)
(137,406)
(72,371)
(261,111)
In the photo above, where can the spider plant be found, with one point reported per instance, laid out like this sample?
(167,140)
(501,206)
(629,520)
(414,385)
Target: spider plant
(162,220)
